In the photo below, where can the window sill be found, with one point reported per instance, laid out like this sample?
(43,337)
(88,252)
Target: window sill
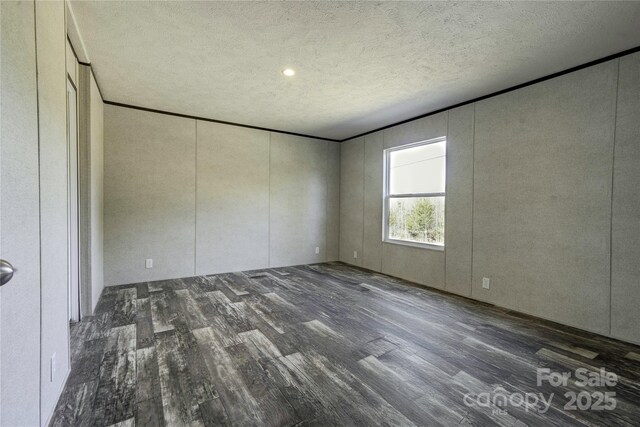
(438,248)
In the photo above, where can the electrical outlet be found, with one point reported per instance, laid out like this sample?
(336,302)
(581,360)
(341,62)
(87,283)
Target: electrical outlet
(317,250)
(486,283)
(148,263)
(355,254)
(53,367)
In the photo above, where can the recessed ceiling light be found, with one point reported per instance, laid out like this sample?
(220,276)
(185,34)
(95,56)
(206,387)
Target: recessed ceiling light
(288,72)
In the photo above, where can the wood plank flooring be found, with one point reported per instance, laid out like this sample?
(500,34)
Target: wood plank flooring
(328,344)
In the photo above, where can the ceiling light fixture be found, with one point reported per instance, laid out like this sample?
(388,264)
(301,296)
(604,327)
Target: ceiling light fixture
(288,72)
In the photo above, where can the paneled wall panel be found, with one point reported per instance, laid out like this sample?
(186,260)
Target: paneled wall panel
(20,321)
(333,201)
(625,260)
(52,118)
(298,200)
(351,200)
(97,191)
(149,195)
(232,211)
(542,198)
(372,214)
(459,201)
(423,266)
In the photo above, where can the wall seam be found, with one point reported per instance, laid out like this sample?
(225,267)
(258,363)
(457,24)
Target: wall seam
(339,199)
(473,193)
(613,162)
(269,209)
(326,205)
(195,206)
(87,182)
(383,222)
(35,40)
(364,178)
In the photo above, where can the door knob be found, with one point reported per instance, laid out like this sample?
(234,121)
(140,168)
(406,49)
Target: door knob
(6,271)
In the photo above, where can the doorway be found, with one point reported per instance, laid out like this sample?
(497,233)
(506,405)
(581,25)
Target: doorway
(73,222)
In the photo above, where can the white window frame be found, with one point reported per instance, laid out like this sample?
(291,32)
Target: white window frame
(387,196)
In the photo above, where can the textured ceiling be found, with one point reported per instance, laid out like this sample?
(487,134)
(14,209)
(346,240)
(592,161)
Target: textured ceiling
(360,65)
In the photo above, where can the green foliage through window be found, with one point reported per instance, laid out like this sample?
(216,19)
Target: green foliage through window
(418,219)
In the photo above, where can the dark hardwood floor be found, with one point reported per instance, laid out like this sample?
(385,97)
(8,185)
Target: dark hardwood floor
(331,344)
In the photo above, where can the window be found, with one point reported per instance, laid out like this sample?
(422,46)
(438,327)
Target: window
(414,192)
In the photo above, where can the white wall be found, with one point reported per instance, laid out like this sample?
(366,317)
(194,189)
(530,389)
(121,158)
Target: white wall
(297,200)
(351,200)
(372,199)
(542,198)
(333,201)
(529,200)
(149,195)
(232,215)
(459,201)
(96,159)
(52,111)
(47,315)
(19,210)
(625,265)
(91,177)
(201,198)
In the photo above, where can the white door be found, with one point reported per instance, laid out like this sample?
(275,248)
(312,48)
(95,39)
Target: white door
(19,218)
(72,141)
